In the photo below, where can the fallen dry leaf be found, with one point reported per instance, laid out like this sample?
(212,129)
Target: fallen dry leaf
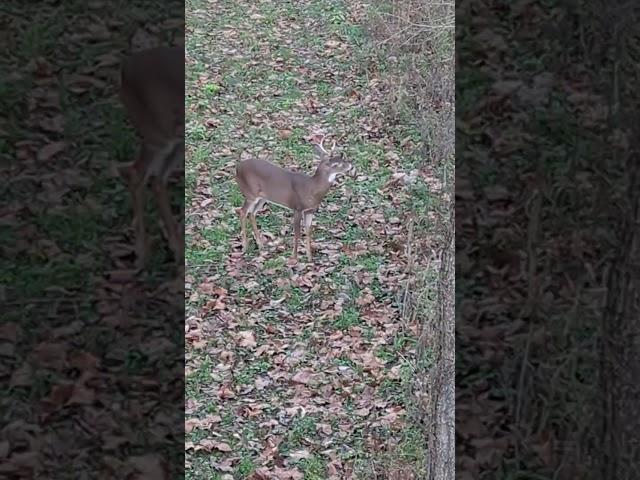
(362,412)
(191,424)
(50,355)
(246,339)
(300,455)
(51,150)
(5,448)
(303,377)
(9,332)
(148,467)
(22,376)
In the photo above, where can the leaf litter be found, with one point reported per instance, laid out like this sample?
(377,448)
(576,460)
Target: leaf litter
(296,360)
(83,393)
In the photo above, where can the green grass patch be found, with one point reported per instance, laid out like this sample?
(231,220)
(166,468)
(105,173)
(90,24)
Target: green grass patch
(350,317)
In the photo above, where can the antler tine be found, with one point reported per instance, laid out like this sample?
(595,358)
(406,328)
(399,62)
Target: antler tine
(322,144)
(333,147)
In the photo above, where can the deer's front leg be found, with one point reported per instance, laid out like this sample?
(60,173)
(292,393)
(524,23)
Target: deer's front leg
(256,233)
(166,215)
(242,213)
(297,219)
(308,218)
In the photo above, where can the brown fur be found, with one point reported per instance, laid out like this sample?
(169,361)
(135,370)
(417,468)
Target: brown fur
(152,92)
(261,181)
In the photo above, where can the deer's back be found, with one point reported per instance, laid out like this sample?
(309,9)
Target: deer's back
(260,178)
(152,90)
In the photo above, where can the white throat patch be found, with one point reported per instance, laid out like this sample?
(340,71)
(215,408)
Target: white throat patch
(332,177)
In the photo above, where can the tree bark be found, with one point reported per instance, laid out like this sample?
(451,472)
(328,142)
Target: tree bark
(440,339)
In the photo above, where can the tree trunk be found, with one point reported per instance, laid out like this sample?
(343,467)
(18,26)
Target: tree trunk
(439,338)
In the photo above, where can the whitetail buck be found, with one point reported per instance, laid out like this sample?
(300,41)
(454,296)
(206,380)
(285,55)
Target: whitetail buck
(152,92)
(261,181)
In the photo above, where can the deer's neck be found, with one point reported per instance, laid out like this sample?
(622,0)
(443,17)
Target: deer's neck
(319,185)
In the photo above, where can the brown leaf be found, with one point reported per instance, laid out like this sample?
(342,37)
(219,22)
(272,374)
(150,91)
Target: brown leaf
(362,412)
(225,392)
(59,395)
(83,361)
(50,355)
(371,362)
(150,467)
(113,442)
(390,418)
(366,298)
(225,465)
(20,465)
(201,423)
(82,83)
(22,377)
(288,473)
(261,383)
(204,444)
(107,60)
(303,377)
(208,445)
(191,424)
(67,330)
(82,395)
(247,339)
(41,67)
(284,133)
(54,124)
(324,428)
(7,349)
(216,304)
(207,287)
(311,105)
(51,150)
(4,449)
(209,420)
(9,332)
(261,473)
(222,447)
(300,455)
(506,87)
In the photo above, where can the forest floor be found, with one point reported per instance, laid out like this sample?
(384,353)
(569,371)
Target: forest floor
(299,371)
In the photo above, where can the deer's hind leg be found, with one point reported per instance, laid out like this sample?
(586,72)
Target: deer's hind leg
(243,212)
(136,185)
(170,159)
(308,219)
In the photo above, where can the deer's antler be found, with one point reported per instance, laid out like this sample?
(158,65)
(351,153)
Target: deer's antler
(322,145)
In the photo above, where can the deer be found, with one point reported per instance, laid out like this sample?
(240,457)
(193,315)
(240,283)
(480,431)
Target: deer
(152,93)
(260,181)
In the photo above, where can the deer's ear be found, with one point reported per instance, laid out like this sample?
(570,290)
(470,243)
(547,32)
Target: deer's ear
(319,152)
